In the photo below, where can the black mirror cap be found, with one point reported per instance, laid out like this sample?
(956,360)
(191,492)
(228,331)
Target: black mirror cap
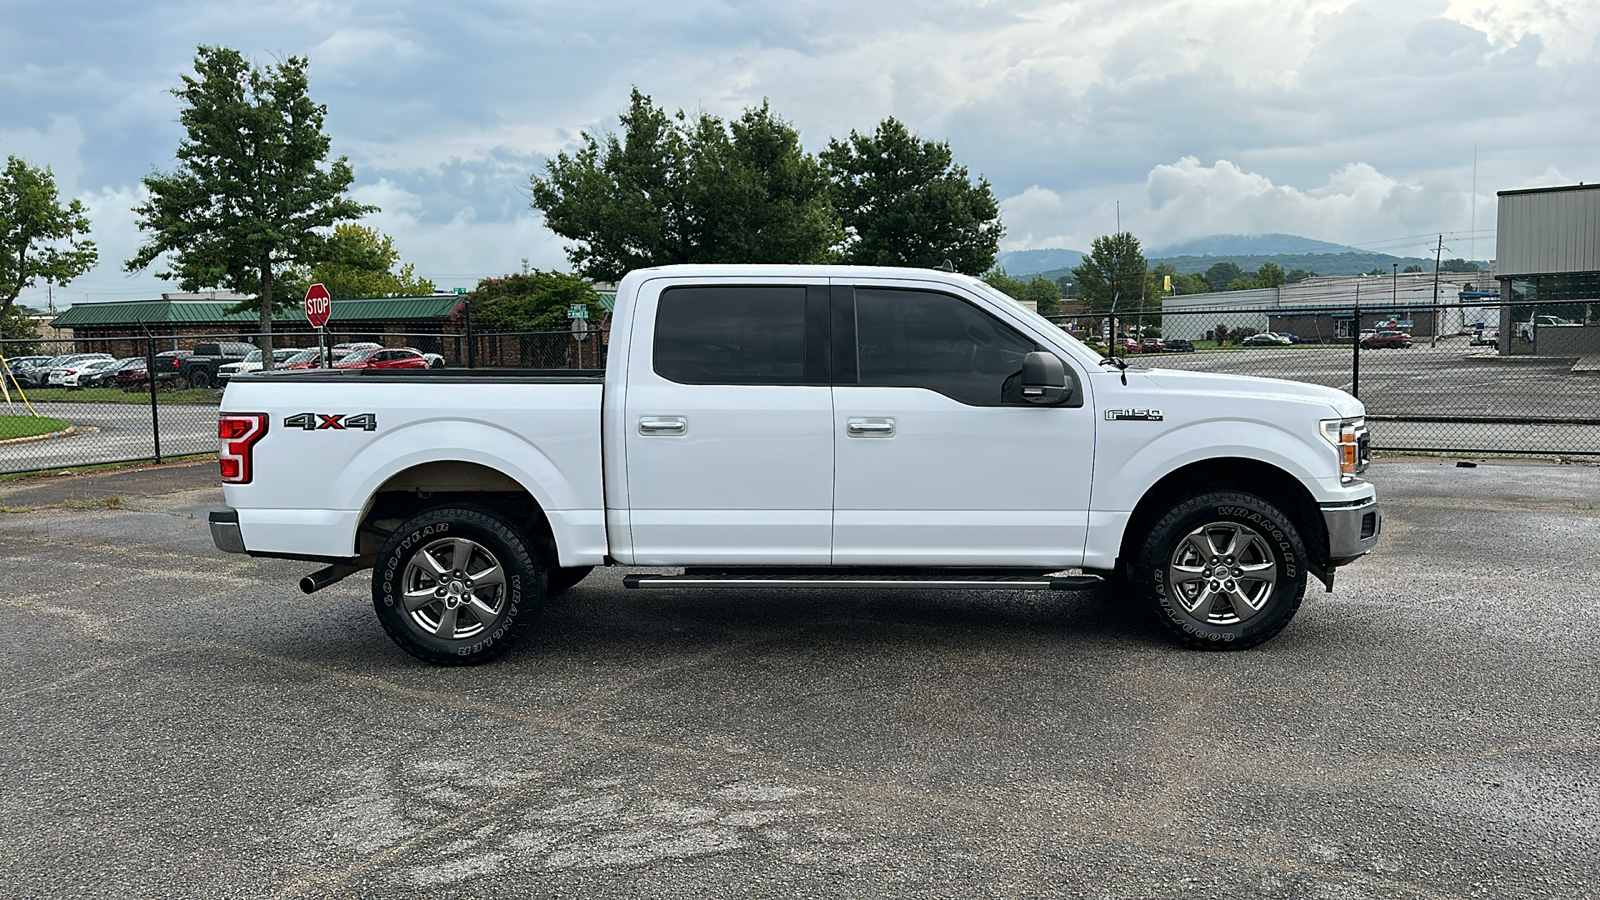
(1044,378)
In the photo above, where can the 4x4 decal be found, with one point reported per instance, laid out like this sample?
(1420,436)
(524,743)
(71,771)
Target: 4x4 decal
(332,422)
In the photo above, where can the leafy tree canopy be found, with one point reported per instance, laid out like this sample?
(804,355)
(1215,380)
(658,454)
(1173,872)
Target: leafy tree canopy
(531,301)
(1113,273)
(674,189)
(1296,276)
(1457,265)
(40,240)
(251,195)
(1223,274)
(904,202)
(357,262)
(1413,269)
(1038,290)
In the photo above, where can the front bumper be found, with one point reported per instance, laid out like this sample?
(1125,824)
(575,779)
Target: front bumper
(1352,528)
(225,531)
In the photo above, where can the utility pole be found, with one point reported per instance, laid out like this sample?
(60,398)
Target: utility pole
(1437,253)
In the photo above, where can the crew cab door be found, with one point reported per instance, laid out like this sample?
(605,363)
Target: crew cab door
(938,459)
(728,423)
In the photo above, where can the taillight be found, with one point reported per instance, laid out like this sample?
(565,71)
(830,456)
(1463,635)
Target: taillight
(175,361)
(237,434)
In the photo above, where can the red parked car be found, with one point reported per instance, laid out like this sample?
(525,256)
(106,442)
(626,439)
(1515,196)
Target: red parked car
(1386,340)
(393,358)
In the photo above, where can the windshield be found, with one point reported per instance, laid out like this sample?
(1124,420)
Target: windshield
(253,356)
(358,356)
(302,356)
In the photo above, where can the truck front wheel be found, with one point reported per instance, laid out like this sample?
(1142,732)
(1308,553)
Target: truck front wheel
(457,586)
(1223,570)
(199,379)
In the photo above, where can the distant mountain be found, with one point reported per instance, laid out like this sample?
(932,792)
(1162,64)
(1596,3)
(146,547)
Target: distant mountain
(1022,263)
(1352,262)
(1249,245)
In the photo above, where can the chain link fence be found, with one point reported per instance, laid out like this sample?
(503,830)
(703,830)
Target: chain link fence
(91,401)
(1490,378)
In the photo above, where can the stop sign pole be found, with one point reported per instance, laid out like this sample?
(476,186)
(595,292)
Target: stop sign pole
(318,307)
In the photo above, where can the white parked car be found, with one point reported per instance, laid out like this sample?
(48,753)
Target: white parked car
(774,426)
(57,375)
(71,375)
(252,362)
(1526,330)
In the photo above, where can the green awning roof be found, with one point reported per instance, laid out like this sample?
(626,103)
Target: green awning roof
(203,312)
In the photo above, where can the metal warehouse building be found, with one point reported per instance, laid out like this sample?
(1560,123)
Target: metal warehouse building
(1548,252)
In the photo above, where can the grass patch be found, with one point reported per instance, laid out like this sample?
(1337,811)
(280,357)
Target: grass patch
(118,395)
(111,502)
(28,426)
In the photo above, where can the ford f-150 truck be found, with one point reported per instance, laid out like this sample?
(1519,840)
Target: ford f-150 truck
(801,426)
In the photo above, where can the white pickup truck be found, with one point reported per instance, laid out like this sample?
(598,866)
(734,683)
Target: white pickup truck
(801,426)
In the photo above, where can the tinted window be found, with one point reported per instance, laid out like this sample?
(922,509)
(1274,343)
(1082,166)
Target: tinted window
(731,335)
(939,342)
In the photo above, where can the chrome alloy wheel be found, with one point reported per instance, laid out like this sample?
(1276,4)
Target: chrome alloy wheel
(454,589)
(1223,573)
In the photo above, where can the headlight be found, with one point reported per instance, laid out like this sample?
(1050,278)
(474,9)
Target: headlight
(1349,438)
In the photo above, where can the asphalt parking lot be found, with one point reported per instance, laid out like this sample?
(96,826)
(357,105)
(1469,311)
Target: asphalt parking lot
(182,723)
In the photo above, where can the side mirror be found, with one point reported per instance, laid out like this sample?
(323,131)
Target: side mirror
(1044,379)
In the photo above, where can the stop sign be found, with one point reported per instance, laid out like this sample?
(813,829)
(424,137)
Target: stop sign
(317,306)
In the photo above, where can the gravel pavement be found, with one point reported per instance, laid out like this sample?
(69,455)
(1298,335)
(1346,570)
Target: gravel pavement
(183,723)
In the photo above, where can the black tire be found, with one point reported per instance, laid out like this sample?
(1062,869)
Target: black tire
(199,379)
(485,619)
(1240,594)
(558,580)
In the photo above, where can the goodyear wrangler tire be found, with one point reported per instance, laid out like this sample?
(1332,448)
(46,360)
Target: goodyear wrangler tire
(1222,571)
(457,586)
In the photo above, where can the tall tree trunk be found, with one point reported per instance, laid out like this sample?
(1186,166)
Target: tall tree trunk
(266,316)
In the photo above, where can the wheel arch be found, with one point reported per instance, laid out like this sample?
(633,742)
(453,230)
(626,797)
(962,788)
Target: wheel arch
(1252,476)
(454,482)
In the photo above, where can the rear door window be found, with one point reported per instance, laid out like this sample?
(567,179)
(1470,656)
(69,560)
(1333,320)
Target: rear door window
(732,335)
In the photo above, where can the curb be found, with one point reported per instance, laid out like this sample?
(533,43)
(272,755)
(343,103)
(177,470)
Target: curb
(70,429)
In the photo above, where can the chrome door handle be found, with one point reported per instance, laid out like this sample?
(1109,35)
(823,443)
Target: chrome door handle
(870,427)
(663,425)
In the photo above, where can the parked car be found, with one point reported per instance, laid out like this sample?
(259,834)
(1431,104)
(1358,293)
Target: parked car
(252,362)
(1483,336)
(1179,345)
(1525,330)
(340,351)
(305,359)
(200,368)
(1392,340)
(57,376)
(15,365)
(392,358)
(1152,345)
(168,362)
(435,361)
(91,374)
(38,375)
(1265,339)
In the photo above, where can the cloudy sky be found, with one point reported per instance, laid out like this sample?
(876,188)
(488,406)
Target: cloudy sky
(1351,121)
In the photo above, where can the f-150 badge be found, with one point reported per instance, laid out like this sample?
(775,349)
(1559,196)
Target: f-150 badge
(1133,415)
(334,422)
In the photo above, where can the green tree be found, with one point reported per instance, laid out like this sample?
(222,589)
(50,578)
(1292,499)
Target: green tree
(40,240)
(1223,274)
(1296,276)
(671,189)
(1412,269)
(904,202)
(358,262)
(1112,274)
(250,196)
(1270,275)
(1038,290)
(1458,265)
(531,301)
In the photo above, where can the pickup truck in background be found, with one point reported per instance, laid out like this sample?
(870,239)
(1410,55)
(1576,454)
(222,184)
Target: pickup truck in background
(203,368)
(801,426)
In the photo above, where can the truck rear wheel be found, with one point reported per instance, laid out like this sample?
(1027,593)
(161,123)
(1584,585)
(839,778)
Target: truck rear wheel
(199,379)
(1222,571)
(457,586)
